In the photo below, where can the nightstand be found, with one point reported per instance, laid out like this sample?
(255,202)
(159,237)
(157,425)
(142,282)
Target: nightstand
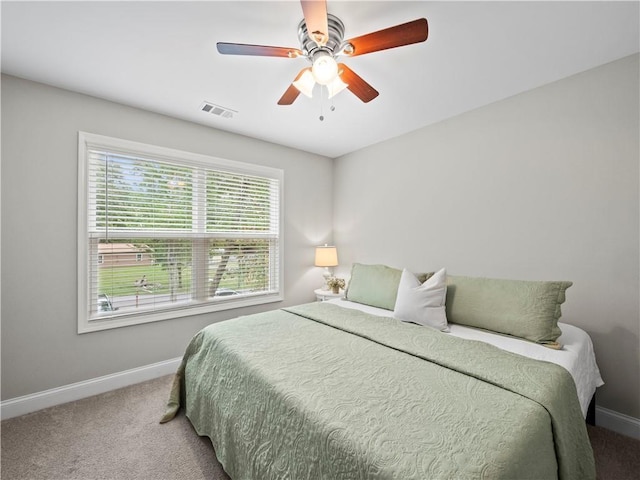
(323,295)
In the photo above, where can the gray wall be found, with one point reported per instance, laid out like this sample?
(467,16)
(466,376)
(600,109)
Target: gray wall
(40,346)
(541,186)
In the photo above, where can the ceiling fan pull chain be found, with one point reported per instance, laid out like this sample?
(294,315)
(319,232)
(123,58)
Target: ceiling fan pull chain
(321,104)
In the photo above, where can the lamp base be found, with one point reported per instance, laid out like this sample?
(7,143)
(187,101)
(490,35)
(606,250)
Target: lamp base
(327,275)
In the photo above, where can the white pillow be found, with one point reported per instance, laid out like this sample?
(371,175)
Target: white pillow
(422,303)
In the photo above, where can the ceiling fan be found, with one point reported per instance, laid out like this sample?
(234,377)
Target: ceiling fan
(321,42)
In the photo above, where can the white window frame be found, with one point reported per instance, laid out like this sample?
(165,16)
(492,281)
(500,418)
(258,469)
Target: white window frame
(87,141)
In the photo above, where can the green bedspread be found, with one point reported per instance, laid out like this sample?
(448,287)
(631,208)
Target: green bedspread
(323,392)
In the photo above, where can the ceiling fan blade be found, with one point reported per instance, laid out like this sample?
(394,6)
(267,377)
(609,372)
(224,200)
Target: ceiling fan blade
(405,34)
(259,50)
(289,96)
(292,92)
(315,16)
(356,84)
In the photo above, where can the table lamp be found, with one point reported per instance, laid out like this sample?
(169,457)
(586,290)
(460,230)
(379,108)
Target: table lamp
(326,256)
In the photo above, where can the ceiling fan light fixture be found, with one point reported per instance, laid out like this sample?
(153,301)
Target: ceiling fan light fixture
(305,83)
(324,69)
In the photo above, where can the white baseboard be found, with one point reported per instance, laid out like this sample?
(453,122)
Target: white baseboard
(618,422)
(15,407)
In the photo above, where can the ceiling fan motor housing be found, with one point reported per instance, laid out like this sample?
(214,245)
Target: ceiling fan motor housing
(336,34)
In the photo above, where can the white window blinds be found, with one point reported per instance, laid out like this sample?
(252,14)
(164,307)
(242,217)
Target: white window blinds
(168,232)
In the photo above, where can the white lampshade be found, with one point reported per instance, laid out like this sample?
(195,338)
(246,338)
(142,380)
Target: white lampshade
(305,83)
(326,256)
(324,69)
(336,86)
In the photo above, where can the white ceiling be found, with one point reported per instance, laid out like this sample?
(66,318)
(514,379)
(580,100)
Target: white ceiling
(161,56)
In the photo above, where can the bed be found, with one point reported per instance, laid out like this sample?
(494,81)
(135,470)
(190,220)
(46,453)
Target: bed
(346,390)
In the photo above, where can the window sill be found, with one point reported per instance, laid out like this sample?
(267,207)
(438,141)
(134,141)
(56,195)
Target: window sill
(117,321)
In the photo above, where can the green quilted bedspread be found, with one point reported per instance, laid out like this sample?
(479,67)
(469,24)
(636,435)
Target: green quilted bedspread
(323,392)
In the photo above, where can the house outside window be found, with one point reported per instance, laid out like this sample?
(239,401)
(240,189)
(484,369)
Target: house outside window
(165,233)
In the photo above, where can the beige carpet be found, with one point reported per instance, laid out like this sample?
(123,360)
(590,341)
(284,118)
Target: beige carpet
(117,436)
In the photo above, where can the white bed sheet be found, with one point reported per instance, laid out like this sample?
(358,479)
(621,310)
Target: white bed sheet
(577,355)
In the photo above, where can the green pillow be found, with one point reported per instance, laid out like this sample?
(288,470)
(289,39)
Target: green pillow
(375,285)
(526,309)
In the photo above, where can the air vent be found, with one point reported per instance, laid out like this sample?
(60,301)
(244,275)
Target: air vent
(217,110)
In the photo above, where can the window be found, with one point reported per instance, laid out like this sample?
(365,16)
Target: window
(165,233)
